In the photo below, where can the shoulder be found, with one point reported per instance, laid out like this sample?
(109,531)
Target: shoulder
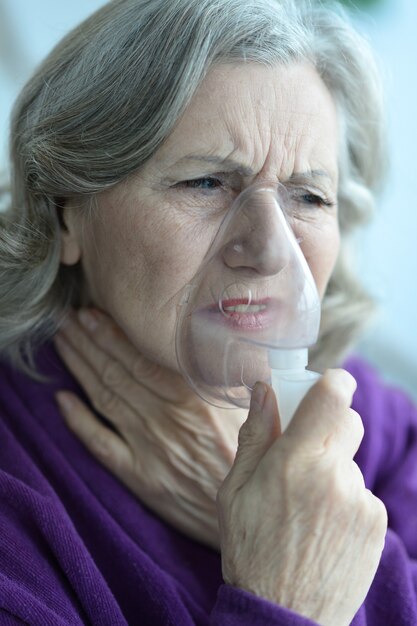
(30,398)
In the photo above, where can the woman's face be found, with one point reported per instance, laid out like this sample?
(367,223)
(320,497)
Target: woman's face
(147,239)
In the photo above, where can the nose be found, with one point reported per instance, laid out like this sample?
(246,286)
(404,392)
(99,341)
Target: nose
(258,234)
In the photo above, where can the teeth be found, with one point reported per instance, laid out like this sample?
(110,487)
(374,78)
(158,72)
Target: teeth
(246,308)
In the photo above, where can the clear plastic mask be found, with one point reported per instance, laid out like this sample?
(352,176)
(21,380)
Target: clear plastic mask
(253,295)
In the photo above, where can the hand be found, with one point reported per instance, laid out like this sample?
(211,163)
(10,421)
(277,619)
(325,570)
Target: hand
(168,446)
(297,525)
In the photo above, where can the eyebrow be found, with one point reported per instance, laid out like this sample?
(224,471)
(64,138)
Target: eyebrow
(227,164)
(230,165)
(309,176)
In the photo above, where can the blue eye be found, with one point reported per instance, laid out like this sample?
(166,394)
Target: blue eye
(205,184)
(315,200)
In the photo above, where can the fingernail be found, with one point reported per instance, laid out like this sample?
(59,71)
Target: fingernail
(88,320)
(65,402)
(258,396)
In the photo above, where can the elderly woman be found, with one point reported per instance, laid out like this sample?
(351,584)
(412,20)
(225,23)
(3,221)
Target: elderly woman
(129,145)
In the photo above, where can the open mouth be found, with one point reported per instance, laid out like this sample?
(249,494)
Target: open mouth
(243,308)
(240,314)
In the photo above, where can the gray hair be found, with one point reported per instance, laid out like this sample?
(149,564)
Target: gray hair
(110,93)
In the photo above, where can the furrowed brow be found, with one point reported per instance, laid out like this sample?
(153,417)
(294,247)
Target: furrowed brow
(306,177)
(226,164)
(310,176)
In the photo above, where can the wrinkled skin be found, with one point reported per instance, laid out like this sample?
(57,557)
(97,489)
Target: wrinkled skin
(292,517)
(148,236)
(296,524)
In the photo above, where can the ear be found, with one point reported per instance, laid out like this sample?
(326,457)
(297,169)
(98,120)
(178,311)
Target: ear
(69,217)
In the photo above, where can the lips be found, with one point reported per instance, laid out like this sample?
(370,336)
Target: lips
(239,314)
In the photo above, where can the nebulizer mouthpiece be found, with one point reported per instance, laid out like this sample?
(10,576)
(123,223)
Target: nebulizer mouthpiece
(252,309)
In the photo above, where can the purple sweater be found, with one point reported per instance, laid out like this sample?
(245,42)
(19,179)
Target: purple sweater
(76,547)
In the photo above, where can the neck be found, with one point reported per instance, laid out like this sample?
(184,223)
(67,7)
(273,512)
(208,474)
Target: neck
(187,448)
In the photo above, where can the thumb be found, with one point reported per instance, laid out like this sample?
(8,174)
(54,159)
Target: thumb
(257,434)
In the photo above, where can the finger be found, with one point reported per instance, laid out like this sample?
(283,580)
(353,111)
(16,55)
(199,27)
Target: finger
(107,401)
(324,418)
(356,432)
(257,434)
(95,358)
(105,334)
(101,365)
(105,445)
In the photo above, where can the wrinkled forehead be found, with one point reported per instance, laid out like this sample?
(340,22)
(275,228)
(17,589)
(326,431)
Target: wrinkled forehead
(278,118)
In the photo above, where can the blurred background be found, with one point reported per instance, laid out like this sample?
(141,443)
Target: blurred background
(387,249)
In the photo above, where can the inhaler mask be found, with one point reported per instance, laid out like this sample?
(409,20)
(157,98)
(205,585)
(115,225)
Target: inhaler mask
(252,309)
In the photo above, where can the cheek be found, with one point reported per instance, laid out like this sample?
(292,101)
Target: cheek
(139,249)
(111,255)
(172,253)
